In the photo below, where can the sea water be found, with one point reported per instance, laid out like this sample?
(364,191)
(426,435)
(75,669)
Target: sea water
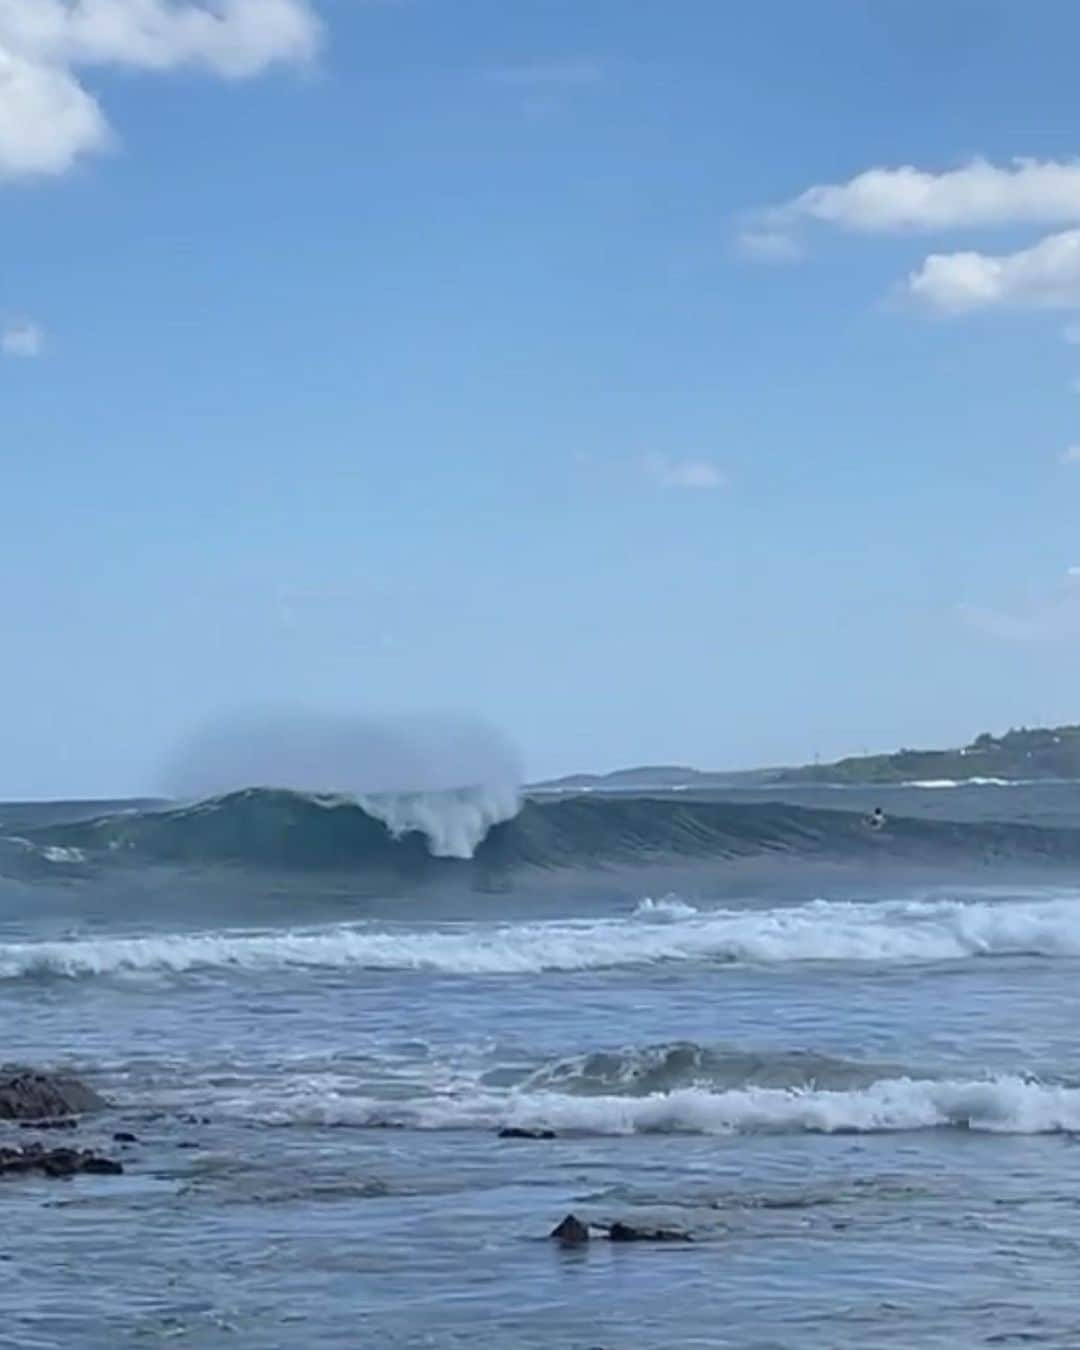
(847,1067)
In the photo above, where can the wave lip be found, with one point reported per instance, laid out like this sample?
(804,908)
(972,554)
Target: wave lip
(823,931)
(454,822)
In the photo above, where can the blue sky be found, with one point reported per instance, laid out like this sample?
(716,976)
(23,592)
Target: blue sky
(662,382)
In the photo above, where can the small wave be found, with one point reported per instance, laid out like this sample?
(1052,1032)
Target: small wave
(667,907)
(1003,1105)
(822,931)
(55,854)
(643,1070)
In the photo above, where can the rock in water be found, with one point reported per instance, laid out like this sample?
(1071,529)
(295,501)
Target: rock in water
(571,1232)
(28,1095)
(518,1132)
(55,1162)
(628,1232)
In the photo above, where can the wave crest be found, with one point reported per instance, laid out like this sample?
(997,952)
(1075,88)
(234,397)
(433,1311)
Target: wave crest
(454,822)
(412,833)
(887,932)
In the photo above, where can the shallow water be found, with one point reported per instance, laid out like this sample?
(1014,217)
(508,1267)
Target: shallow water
(858,1089)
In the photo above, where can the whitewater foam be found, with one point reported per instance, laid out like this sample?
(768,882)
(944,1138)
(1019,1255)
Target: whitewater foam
(454,822)
(822,931)
(667,907)
(1002,1105)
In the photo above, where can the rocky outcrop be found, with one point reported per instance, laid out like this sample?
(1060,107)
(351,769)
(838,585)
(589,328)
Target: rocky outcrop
(26,1095)
(571,1232)
(519,1132)
(55,1162)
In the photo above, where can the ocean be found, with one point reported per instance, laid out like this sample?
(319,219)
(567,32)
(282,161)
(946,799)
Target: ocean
(843,1060)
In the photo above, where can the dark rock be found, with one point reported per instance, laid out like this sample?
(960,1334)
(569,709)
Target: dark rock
(61,1162)
(102,1167)
(28,1095)
(627,1232)
(55,1162)
(125,1137)
(517,1132)
(571,1232)
(65,1123)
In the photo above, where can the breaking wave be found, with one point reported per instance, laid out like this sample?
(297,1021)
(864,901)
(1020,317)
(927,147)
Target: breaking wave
(821,931)
(645,1070)
(414,835)
(1001,1105)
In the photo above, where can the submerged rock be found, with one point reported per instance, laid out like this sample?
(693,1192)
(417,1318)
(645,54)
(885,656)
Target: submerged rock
(571,1232)
(26,1094)
(519,1132)
(629,1232)
(55,1162)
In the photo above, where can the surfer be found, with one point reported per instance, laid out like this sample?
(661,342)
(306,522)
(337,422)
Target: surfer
(876,819)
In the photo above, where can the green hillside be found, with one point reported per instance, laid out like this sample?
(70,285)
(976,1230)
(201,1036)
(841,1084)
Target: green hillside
(1043,752)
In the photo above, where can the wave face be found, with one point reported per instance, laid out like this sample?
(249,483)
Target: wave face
(893,932)
(644,1071)
(412,834)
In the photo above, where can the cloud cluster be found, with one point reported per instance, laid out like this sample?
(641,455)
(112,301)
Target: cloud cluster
(976,196)
(48,118)
(1045,276)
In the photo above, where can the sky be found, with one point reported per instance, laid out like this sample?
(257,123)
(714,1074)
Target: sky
(660,382)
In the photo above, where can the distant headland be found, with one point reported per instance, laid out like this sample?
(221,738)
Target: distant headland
(1019,754)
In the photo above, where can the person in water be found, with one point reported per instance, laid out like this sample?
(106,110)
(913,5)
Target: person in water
(876,819)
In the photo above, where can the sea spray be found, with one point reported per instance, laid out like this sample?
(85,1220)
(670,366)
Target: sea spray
(445,776)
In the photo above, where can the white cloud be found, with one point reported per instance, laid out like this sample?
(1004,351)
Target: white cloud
(22,338)
(884,200)
(48,120)
(1045,276)
(768,246)
(978,194)
(1070,455)
(682,473)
